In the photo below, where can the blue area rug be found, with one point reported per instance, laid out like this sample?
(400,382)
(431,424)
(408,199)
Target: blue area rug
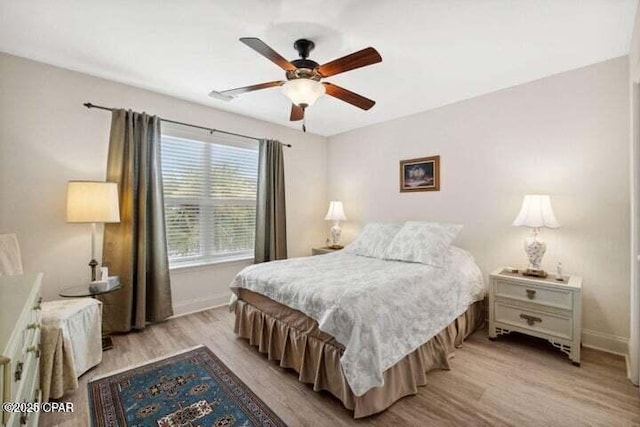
(192,389)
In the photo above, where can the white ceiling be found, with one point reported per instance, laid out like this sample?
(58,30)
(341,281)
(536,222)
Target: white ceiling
(434,52)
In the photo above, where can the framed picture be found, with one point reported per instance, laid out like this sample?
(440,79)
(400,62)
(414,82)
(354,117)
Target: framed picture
(421,174)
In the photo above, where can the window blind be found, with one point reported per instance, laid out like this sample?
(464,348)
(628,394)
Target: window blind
(210,200)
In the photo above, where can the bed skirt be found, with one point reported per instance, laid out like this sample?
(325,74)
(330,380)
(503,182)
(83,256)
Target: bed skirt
(294,340)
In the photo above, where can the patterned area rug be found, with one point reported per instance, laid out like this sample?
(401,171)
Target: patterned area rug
(192,389)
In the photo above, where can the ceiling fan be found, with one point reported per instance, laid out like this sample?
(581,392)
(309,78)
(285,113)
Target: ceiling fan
(303,86)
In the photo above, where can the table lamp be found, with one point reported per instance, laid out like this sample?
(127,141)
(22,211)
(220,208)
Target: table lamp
(91,201)
(336,214)
(536,212)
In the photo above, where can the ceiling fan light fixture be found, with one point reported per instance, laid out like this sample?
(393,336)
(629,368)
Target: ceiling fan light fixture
(303,91)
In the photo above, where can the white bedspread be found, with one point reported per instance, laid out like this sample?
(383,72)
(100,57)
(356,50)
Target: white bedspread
(379,310)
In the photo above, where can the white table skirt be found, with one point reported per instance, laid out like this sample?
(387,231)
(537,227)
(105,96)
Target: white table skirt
(71,343)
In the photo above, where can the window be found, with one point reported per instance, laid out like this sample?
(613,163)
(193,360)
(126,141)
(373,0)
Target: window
(210,198)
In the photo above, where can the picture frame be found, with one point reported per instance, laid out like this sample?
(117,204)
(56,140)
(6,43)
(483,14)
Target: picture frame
(421,174)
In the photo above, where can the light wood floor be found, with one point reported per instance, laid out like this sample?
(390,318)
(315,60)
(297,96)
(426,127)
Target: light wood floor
(515,381)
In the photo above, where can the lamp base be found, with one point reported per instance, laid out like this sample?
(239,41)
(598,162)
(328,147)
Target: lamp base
(335,236)
(93,264)
(534,273)
(535,248)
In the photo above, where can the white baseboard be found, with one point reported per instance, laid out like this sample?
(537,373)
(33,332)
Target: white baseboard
(183,308)
(605,342)
(627,362)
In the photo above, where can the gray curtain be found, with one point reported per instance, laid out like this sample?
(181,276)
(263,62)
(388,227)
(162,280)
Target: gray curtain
(136,248)
(271,221)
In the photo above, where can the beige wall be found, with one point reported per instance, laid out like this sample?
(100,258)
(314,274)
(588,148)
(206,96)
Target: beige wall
(565,135)
(47,138)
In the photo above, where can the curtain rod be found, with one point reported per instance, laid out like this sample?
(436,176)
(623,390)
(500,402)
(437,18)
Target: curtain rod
(211,130)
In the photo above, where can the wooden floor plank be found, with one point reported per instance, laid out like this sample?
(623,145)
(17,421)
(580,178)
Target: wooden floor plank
(513,381)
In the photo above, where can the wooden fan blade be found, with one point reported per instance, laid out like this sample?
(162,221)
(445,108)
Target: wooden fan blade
(362,58)
(263,49)
(240,90)
(297,113)
(348,96)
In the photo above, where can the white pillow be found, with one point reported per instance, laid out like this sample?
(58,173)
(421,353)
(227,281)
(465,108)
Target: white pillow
(423,242)
(374,239)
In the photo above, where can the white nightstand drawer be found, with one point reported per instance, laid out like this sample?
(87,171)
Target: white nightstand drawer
(536,294)
(545,323)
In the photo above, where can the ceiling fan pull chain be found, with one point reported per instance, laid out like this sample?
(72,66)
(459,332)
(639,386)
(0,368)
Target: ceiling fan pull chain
(304,121)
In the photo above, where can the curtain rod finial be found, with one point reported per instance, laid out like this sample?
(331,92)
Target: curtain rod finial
(88,104)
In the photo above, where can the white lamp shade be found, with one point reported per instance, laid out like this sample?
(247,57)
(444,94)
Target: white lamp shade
(335,212)
(91,201)
(303,91)
(536,212)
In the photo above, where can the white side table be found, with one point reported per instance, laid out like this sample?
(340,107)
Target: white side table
(544,308)
(83,291)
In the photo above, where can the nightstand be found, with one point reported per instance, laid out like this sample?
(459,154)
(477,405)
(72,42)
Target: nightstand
(323,250)
(544,308)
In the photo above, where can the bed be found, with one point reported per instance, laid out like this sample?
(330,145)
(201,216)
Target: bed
(365,329)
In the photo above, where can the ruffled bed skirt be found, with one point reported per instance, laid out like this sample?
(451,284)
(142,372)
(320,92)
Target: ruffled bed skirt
(315,356)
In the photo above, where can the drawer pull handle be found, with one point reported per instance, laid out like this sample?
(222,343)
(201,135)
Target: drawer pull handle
(17,375)
(531,294)
(34,349)
(38,305)
(531,320)
(33,326)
